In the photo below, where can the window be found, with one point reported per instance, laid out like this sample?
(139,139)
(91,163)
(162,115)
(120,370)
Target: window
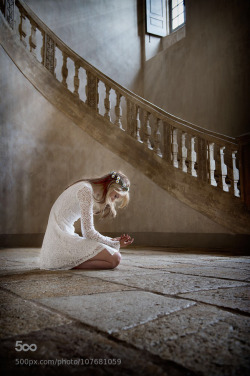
(177,14)
(156,17)
(164,15)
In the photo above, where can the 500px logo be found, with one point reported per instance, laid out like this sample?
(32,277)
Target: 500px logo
(25,346)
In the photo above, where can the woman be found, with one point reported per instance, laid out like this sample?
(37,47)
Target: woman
(62,248)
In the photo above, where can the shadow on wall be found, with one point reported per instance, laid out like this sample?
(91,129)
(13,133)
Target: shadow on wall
(42,154)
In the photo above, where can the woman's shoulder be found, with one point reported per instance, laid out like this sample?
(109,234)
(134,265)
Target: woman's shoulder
(83,186)
(79,186)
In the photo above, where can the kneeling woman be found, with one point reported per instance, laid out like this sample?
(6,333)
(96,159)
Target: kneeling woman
(62,248)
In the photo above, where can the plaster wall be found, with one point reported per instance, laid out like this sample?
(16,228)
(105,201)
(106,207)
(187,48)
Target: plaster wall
(42,152)
(204,77)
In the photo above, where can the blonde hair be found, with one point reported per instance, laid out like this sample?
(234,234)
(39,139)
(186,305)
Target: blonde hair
(106,207)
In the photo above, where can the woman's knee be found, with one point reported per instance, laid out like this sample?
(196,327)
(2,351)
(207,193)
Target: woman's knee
(105,255)
(116,259)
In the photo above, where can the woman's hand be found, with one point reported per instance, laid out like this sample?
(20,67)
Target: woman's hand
(124,240)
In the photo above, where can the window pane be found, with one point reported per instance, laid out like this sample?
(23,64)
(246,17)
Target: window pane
(177,14)
(180,8)
(174,3)
(175,23)
(181,18)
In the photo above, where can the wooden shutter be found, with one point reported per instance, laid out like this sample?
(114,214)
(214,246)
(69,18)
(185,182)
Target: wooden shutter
(156,17)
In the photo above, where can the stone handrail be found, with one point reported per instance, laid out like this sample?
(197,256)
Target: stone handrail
(205,155)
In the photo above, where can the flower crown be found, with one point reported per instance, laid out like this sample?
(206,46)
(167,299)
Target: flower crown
(116,176)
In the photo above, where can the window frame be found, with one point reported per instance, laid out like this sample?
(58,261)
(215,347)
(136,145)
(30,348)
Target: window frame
(170,17)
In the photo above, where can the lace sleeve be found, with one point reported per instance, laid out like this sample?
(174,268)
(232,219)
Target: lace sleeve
(85,199)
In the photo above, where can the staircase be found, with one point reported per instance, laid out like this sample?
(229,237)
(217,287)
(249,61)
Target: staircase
(202,169)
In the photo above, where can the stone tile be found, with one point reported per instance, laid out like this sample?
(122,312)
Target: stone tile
(121,270)
(234,297)
(224,262)
(215,271)
(31,275)
(209,340)
(151,261)
(179,252)
(19,259)
(229,262)
(242,259)
(118,310)
(13,266)
(8,272)
(202,338)
(73,343)
(49,284)
(171,283)
(144,251)
(18,316)
(162,260)
(142,262)
(173,326)
(19,253)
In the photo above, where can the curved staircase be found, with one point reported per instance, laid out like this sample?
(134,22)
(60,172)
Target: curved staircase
(202,169)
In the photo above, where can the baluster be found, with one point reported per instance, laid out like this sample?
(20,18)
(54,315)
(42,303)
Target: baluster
(49,52)
(147,131)
(233,173)
(138,124)
(107,103)
(43,47)
(143,125)
(236,174)
(157,138)
(92,91)
(183,151)
(32,38)
(130,128)
(64,69)
(167,150)
(192,157)
(175,147)
(118,110)
(76,80)
(132,120)
(222,182)
(9,12)
(202,159)
(22,33)
(211,161)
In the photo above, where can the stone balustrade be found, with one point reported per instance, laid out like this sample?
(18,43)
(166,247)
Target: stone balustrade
(205,155)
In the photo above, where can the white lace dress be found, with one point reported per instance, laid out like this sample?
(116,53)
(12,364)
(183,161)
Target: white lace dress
(62,248)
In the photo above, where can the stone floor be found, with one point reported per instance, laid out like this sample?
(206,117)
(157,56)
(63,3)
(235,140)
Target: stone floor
(161,312)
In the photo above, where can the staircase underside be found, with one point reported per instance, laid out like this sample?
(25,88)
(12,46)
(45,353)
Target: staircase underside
(219,206)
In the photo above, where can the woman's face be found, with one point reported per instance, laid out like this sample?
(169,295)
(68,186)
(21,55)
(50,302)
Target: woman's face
(114,195)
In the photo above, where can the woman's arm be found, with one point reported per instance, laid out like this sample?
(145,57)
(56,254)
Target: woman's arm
(85,199)
(124,240)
